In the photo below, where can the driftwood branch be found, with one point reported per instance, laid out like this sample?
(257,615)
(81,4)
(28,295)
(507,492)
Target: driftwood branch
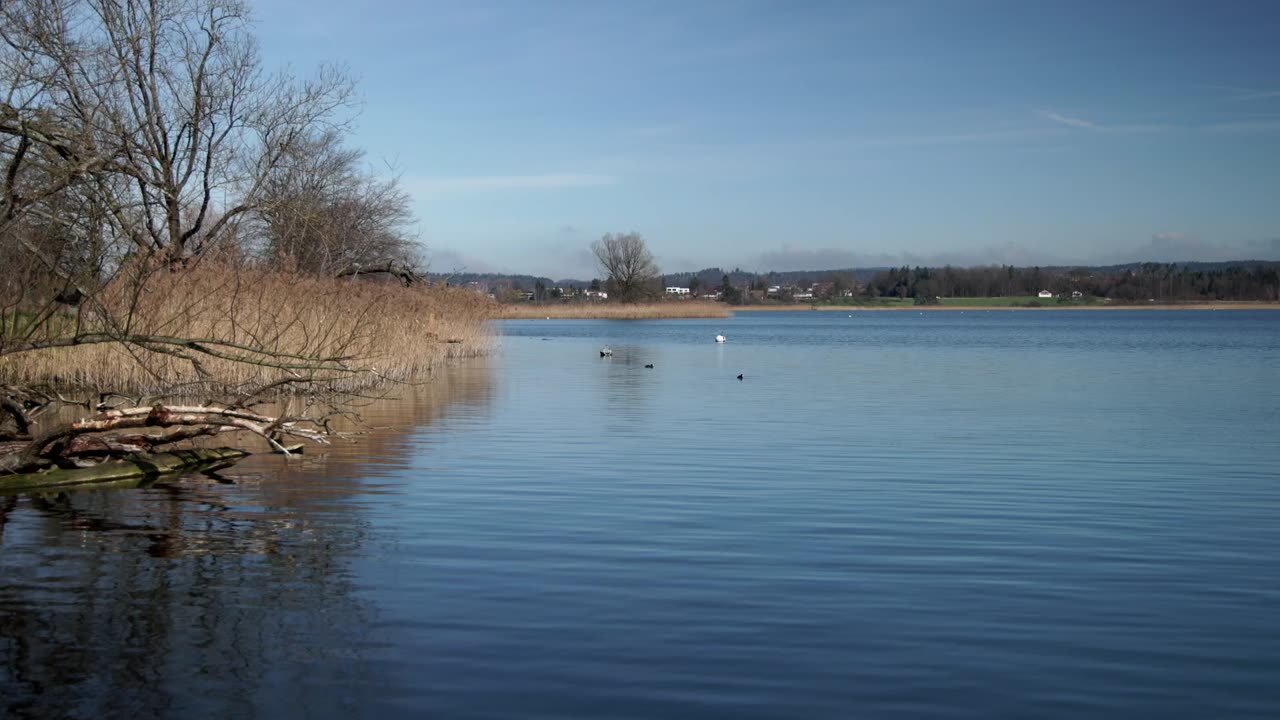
(84,438)
(400,270)
(14,409)
(95,446)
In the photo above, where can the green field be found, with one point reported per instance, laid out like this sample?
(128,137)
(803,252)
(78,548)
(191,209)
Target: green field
(976,302)
(1016,301)
(864,302)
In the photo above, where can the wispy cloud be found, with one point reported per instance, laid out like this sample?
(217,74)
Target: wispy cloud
(1083,124)
(1164,246)
(1257,95)
(653,132)
(954,138)
(1256,123)
(790,257)
(1269,245)
(444,260)
(1245,126)
(1182,246)
(1068,120)
(485,183)
(1244,94)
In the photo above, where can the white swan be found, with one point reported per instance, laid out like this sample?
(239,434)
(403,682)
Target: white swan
(719,338)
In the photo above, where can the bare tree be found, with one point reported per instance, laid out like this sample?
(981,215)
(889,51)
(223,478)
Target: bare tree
(324,212)
(627,263)
(170,96)
(137,136)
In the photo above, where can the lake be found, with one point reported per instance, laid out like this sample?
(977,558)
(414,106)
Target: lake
(1052,514)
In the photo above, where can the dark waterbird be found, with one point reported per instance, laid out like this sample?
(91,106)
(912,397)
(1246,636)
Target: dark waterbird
(649,366)
(740,376)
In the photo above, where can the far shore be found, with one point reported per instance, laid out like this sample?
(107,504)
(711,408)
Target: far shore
(697,309)
(616,311)
(951,308)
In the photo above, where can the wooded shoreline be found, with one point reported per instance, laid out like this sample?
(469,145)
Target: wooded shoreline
(1242,305)
(694,310)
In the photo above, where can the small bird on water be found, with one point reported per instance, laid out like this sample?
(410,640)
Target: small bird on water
(606,351)
(649,366)
(740,376)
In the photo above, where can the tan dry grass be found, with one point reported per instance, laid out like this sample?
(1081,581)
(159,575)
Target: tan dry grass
(389,332)
(616,311)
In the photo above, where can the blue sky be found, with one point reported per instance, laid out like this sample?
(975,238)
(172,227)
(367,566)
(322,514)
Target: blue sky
(788,135)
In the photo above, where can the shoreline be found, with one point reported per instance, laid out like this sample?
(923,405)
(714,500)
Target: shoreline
(618,311)
(1221,305)
(709,310)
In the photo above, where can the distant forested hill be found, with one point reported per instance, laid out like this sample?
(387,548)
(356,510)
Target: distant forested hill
(1190,281)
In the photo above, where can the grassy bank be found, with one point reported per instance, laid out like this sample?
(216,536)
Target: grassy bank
(1017,301)
(616,311)
(1030,301)
(385,330)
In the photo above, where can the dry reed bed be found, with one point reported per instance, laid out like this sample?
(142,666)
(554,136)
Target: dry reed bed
(384,331)
(617,311)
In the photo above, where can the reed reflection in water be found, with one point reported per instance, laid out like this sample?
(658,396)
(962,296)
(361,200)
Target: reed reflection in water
(223,595)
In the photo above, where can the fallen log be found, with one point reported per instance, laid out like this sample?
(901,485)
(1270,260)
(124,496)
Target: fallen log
(134,467)
(82,439)
(400,270)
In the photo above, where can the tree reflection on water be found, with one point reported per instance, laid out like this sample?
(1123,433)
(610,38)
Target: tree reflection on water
(222,596)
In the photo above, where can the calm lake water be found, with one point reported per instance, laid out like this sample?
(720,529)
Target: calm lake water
(964,515)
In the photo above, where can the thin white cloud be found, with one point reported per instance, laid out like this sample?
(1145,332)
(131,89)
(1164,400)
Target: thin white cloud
(1244,94)
(1082,124)
(484,183)
(736,160)
(1166,246)
(1265,124)
(1259,95)
(653,132)
(444,260)
(1182,246)
(957,138)
(790,257)
(1068,120)
(1245,126)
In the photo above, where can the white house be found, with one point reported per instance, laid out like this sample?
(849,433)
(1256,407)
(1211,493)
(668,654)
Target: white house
(677,291)
(1046,294)
(598,294)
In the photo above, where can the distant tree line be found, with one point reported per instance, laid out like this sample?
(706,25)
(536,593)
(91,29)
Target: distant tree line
(1162,282)
(1136,282)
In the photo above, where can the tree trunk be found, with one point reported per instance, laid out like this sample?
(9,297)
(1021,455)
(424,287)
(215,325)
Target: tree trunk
(132,468)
